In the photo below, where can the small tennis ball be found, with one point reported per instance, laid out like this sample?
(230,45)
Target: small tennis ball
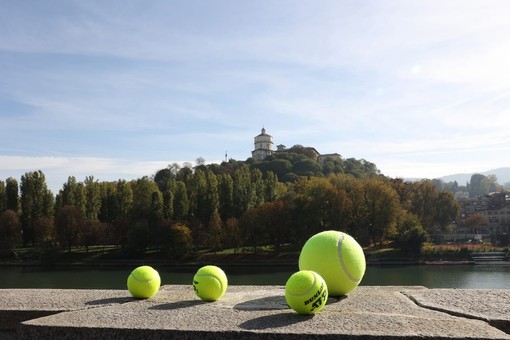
(337,257)
(210,283)
(306,292)
(143,282)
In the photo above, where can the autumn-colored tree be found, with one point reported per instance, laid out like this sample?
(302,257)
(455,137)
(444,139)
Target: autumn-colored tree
(215,232)
(68,223)
(232,236)
(10,232)
(476,221)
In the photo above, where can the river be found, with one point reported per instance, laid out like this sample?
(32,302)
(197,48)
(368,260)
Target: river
(431,276)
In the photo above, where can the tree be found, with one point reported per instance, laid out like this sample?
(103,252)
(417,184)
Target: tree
(72,193)
(475,221)
(479,185)
(10,232)
(447,209)
(3,197)
(307,167)
(424,203)
(411,235)
(92,198)
(225,196)
(243,191)
(12,191)
(215,232)
(178,242)
(36,202)
(68,225)
(382,209)
(181,201)
(231,236)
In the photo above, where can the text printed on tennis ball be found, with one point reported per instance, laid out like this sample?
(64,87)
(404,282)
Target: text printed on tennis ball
(317,298)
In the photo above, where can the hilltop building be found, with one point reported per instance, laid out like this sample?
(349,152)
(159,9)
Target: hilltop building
(264,147)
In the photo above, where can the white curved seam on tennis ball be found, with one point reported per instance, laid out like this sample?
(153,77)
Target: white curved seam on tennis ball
(309,289)
(340,258)
(140,280)
(202,275)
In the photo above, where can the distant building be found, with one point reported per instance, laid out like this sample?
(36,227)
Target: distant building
(263,146)
(330,156)
(495,207)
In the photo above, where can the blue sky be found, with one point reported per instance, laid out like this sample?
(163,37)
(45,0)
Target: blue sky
(120,89)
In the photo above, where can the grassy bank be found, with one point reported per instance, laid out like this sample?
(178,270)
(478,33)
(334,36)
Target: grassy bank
(387,254)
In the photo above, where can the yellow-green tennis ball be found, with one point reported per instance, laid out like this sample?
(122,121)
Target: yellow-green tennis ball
(143,282)
(306,292)
(210,283)
(337,257)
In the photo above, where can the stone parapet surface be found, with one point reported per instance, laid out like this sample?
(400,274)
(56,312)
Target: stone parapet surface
(255,312)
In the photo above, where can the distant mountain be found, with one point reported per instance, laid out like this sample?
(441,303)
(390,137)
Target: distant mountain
(503,175)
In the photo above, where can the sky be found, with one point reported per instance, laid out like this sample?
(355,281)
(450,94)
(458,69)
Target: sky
(121,89)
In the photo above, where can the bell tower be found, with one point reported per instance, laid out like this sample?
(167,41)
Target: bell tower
(263,146)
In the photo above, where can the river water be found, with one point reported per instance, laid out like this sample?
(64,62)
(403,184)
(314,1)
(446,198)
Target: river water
(430,276)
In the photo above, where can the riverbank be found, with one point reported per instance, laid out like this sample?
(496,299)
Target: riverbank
(113,256)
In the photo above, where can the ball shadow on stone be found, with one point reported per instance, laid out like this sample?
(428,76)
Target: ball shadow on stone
(265,303)
(274,321)
(110,301)
(178,305)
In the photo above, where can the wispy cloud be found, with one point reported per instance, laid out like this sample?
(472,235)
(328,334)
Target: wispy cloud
(416,82)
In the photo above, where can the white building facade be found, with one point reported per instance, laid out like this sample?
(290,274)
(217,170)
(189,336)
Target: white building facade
(263,146)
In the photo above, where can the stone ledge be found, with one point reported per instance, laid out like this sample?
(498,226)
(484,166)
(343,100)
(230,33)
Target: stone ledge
(255,312)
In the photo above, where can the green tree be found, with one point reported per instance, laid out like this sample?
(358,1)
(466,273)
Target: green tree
(411,235)
(479,185)
(181,201)
(225,195)
(424,203)
(3,196)
(12,191)
(243,191)
(143,199)
(382,209)
(307,167)
(447,209)
(36,202)
(124,199)
(92,194)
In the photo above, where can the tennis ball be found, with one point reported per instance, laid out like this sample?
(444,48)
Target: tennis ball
(210,283)
(337,257)
(143,282)
(306,292)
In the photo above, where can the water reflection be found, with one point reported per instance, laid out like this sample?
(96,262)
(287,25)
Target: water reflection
(465,276)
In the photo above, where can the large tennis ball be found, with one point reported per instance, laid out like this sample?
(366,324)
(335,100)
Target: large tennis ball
(306,292)
(210,283)
(143,282)
(337,257)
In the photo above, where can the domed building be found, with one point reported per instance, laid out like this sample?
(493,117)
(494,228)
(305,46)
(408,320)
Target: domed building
(263,146)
